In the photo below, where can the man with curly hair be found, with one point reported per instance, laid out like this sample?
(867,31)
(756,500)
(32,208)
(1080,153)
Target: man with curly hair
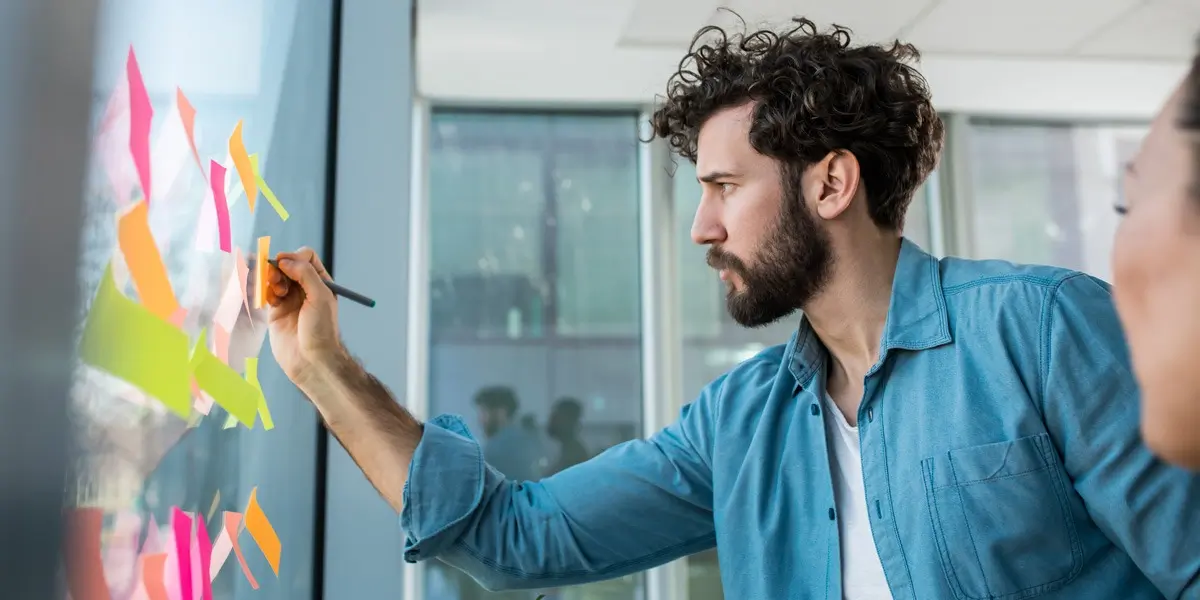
(935,429)
(1156,274)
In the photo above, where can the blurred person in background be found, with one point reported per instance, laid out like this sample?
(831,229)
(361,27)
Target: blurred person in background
(934,429)
(1156,274)
(566,417)
(508,446)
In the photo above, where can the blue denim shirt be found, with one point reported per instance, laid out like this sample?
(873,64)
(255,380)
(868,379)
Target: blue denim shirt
(1000,455)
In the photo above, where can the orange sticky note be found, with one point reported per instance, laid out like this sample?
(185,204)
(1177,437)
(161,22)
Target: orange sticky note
(241,160)
(232,522)
(84,566)
(260,529)
(145,262)
(188,115)
(153,576)
(260,280)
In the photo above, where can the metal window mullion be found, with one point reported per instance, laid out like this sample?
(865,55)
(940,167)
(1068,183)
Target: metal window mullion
(661,374)
(956,202)
(416,393)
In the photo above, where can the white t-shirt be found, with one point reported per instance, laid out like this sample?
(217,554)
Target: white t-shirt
(862,572)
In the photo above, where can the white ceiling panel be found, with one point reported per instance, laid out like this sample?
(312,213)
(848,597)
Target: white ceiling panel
(1015,27)
(870,20)
(1161,29)
(669,23)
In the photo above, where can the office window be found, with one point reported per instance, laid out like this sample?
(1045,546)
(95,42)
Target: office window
(534,293)
(266,64)
(712,342)
(1044,193)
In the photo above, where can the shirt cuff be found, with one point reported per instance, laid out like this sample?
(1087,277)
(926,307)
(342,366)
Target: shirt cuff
(445,486)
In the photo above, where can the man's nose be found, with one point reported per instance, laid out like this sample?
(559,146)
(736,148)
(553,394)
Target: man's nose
(706,226)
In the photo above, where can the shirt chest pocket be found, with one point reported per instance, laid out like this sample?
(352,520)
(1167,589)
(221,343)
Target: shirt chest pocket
(1002,519)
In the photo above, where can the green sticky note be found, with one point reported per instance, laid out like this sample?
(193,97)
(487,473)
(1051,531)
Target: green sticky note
(226,387)
(266,190)
(230,422)
(252,377)
(123,338)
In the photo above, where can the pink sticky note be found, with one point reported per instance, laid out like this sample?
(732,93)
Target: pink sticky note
(178,317)
(232,521)
(220,553)
(140,115)
(220,342)
(217,175)
(181,524)
(154,575)
(205,550)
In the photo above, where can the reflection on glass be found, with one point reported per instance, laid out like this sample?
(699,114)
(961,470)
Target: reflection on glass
(139,462)
(535,331)
(713,343)
(1044,193)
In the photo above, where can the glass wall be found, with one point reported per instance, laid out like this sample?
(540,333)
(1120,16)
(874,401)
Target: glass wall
(534,294)
(1044,193)
(205,68)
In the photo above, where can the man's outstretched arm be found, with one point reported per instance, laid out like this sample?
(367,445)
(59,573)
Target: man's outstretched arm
(638,505)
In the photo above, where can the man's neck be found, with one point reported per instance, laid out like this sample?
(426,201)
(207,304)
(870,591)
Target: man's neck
(850,313)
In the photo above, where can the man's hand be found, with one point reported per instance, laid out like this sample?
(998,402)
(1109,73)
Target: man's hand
(303,321)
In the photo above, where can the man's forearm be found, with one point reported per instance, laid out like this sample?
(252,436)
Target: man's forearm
(366,419)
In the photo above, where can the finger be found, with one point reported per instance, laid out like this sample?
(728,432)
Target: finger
(306,254)
(305,273)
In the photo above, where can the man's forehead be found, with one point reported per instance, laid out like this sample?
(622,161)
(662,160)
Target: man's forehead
(724,140)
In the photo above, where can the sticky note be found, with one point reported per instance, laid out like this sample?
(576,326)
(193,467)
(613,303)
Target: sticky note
(84,565)
(140,115)
(252,376)
(232,522)
(112,143)
(145,263)
(266,189)
(226,387)
(220,553)
(237,151)
(260,529)
(204,546)
(181,525)
(260,280)
(169,153)
(243,272)
(212,509)
(231,302)
(230,422)
(125,339)
(220,343)
(219,203)
(187,114)
(154,576)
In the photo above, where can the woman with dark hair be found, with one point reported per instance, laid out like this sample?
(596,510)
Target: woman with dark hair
(1156,274)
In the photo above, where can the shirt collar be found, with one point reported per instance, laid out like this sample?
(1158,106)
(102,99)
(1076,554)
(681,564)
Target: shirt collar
(917,318)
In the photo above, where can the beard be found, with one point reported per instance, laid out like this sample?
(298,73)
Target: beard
(792,266)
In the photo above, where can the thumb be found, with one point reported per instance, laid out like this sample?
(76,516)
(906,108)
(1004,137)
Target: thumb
(304,274)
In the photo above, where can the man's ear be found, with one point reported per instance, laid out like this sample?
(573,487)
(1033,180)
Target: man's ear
(838,177)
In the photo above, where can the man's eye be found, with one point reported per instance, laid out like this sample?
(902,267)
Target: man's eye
(726,188)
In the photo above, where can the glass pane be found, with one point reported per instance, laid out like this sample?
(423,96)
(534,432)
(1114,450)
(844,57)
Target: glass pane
(268,68)
(535,334)
(713,343)
(1044,193)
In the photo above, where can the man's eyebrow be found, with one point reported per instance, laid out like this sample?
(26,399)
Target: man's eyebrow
(715,176)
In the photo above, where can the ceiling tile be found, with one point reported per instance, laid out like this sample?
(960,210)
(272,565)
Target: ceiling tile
(1014,27)
(1161,29)
(666,22)
(870,20)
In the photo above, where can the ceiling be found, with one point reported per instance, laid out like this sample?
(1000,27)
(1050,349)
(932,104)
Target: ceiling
(1090,29)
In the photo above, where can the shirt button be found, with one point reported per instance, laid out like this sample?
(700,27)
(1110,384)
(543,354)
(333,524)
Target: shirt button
(816,410)
(832,514)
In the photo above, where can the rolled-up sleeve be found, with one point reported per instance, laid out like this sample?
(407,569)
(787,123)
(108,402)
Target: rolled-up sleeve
(445,485)
(635,506)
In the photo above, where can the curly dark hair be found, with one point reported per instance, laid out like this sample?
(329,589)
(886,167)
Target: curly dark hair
(814,93)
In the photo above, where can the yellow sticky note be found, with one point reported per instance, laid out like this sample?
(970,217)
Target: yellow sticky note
(237,150)
(260,529)
(266,190)
(226,387)
(260,271)
(125,339)
(252,377)
(230,422)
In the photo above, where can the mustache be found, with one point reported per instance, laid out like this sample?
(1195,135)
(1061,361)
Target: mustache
(720,259)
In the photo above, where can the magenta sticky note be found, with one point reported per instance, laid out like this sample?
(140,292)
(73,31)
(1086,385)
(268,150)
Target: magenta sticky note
(217,182)
(140,115)
(181,524)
